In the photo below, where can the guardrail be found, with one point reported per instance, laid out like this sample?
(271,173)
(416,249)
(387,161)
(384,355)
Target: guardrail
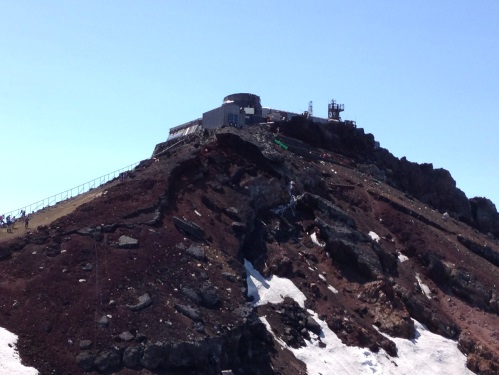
(70,193)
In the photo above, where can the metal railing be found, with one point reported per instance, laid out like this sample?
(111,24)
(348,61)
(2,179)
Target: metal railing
(71,193)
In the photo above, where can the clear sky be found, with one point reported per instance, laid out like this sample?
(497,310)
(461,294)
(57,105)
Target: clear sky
(88,87)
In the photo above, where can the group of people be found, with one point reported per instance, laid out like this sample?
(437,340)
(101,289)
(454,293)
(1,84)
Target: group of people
(9,221)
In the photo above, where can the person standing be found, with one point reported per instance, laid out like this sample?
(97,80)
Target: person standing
(26,221)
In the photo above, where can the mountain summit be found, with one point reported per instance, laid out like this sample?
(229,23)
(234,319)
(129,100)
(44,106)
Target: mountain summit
(291,247)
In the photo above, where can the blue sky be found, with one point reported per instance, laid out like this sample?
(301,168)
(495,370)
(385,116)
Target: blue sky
(88,87)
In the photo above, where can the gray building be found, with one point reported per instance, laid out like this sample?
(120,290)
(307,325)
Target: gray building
(245,109)
(236,110)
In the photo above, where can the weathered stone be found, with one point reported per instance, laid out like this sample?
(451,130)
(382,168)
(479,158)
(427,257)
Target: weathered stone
(107,360)
(85,361)
(103,321)
(328,209)
(197,252)
(313,326)
(126,336)
(192,295)
(190,312)
(189,228)
(85,344)
(144,301)
(152,355)
(209,295)
(85,231)
(233,213)
(131,357)
(484,251)
(125,242)
(360,256)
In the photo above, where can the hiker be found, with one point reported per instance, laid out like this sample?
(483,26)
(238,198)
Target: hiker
(9,225)
(26,222)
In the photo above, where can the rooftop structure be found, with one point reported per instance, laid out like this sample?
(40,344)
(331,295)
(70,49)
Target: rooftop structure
(243,109)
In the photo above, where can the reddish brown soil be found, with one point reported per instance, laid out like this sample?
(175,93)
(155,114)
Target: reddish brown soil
(51,301)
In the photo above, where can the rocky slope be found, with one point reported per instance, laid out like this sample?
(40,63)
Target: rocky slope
(149,276)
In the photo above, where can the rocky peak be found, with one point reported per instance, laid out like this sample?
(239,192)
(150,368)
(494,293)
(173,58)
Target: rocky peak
(151,276)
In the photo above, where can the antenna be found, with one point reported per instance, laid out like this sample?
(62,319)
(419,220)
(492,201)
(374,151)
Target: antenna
(310,109)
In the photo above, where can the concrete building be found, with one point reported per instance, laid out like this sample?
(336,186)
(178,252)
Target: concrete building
(243,109)
(236,110)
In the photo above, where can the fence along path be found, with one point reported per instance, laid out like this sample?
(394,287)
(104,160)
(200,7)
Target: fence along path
(70,193)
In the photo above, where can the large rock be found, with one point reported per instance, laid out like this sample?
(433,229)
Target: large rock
(485,216)
(360,256)
(85,361)
(125,242)
(190,312)
(152,355)
(131,357)
(144,301)
(197,252)
(189,228)
(107,360)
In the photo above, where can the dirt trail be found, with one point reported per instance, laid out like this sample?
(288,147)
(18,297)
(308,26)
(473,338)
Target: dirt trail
(49,214)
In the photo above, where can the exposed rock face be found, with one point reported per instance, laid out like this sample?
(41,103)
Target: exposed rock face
(485,216)
(361,233)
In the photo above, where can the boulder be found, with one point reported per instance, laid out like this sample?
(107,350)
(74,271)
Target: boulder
(192,295)
(103,321)
(126,336)
(85,361)
(107,360)
(190,312)
(189,228)
(152,355)
(197,252)
(144,301)
(313,326)
(125,242)
(131,357)
(85,344)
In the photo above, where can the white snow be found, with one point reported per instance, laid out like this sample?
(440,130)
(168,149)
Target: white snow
(374,236)
(427,354)
(10,363)
(332,289)
(271,290)
(322,277)
(313,236)
(424,288)
(402,258)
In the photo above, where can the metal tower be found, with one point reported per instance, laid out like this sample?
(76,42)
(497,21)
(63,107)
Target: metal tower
(333,111)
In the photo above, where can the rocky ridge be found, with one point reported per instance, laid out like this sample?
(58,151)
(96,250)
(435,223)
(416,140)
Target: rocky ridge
(149,277)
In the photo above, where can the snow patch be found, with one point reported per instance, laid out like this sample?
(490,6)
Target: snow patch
(270,290)
(332,289)
(10,362)
(424,288)
(426,354)
(322,277)
(313,236)
(402,258)
(374,236)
